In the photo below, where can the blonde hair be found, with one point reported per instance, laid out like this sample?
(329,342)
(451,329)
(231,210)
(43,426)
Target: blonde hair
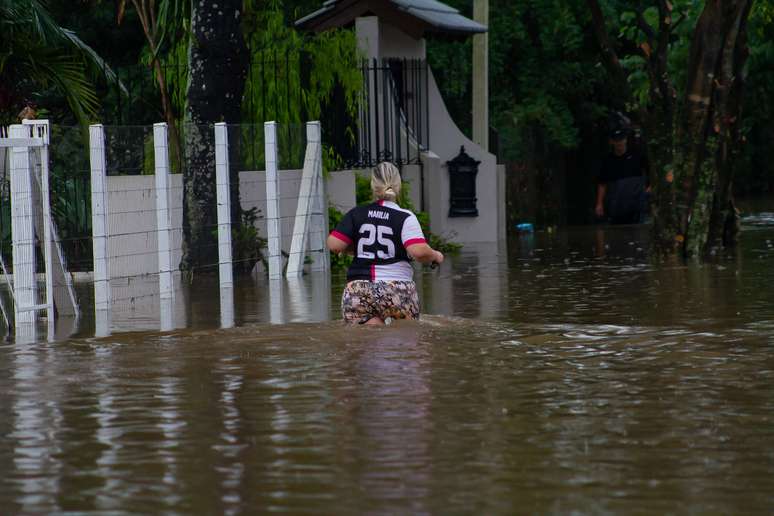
(385,181)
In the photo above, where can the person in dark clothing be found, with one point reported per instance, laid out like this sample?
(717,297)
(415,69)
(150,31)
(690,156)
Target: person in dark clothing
(622,188)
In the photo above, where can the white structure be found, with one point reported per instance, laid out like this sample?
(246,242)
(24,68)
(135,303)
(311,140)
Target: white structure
(273,231)
(99,217)
(311,223)
(31,224)
(395,29)
(223,192)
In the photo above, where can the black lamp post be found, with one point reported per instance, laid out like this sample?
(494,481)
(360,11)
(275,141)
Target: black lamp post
(462,182)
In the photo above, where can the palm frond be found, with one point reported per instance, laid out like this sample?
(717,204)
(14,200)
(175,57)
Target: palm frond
(95,59)
(37,48)
(170,19)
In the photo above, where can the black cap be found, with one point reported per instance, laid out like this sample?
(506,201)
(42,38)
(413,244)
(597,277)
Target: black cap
(618,133)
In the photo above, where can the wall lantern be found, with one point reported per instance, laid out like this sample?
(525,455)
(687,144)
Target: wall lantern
(462,181)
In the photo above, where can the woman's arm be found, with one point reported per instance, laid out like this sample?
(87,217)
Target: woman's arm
(339,246)
(599,208)
(423,253)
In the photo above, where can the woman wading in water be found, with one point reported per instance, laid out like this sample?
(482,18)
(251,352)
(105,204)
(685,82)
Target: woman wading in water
(384,238)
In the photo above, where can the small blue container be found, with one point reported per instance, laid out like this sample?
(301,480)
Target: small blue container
(525,227)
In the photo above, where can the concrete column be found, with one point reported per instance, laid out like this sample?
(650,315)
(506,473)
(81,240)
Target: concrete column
(319,222)
(481,76)
(99,219)
(163,223)
(225,267)
(273,220)
(301,225)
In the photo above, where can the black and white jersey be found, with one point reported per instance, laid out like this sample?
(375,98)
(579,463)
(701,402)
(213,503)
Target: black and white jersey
(380,233)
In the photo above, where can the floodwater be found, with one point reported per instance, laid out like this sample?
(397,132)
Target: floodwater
(568,374)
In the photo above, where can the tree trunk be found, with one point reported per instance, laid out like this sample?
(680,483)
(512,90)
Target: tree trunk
(217,60)
(691,144)
(694,194)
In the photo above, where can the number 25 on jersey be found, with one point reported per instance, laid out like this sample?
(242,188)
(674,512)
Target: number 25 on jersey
(375,234)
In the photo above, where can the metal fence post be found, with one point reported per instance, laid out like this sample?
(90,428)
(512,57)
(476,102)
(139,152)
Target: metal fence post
(99,218)
(163,223)
(273,220)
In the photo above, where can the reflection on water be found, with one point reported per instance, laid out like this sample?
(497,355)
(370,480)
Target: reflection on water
(566,372)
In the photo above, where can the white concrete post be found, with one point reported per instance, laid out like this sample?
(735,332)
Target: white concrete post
(99,218)
(273,221)
(305,199)
(163,223)
(22,231)
(222,181)
(319,223)
(167,313)
(102,323)
(276,301)
(226,307)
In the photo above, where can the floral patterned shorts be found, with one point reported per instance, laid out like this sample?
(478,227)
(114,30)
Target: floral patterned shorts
(363,300)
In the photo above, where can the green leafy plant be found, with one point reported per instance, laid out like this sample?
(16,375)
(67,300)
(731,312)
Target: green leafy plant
(291,79)
(37,54)
(247,243)
(338,261)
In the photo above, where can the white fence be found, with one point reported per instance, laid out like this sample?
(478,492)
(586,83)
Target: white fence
(33,231)
(137,220)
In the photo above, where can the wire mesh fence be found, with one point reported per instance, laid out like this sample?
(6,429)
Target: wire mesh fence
(175,210)
(135,206)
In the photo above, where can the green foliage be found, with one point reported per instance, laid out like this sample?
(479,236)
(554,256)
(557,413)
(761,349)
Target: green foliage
(338,261)
(293,76)
(247,243)
(37,55)
(634,41)
(545,78)
(363,194)
(755,172)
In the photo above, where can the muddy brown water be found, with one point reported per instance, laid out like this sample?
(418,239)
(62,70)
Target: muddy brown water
(564,373)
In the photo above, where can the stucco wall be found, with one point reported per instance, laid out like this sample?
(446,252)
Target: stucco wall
(445,142)
(393,42)
(379,39)
(133,241)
